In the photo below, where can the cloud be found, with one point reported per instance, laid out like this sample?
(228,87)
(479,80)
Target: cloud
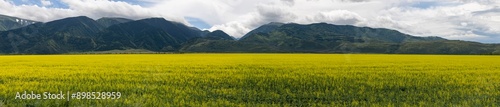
(198,23)
(429,18)
(262,15)
(46,3)
(304,11)
(233,28)
(342,17)
(354,0)
(464,20)
(100,8)
(289,2)
(91,8)
(33,12)
(269,13)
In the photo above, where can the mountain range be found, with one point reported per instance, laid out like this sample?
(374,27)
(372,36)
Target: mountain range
(82,34)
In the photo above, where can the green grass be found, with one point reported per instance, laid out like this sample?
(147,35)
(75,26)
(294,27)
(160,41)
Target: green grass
(256,79)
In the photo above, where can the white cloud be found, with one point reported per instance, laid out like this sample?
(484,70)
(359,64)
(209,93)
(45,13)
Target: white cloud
(46,3)
(303,11)
(91,8)
(342,17)
(264,14)
(232,28)
(100,8)
(456,21)
(33,12)
(289,2)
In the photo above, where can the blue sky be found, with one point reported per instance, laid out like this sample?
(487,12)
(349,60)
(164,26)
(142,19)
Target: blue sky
(54,3)
(200,24)
(471,20)
(59,4)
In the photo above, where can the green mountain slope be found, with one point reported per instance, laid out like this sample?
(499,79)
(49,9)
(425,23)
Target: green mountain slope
(328,38)
(108,21)
(216,41)
(264,29)
(59,36)
(180,31)
(155,34)
(218,35)
(142,34)
(82,34)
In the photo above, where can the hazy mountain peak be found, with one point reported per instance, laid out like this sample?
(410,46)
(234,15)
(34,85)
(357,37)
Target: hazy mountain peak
(9,22)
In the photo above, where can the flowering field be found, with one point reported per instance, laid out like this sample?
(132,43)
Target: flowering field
(251,80)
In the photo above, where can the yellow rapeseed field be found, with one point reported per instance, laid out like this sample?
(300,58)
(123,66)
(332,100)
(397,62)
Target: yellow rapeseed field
(158,80)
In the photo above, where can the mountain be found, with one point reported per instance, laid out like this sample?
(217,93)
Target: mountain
(329,38)
(322,37)
(81,26)
(156,34)
(108,21)
(9,23)
(217,35)
(264,29)
(324,32)
(82,34)
(216,41)
(178,30)
(73,34)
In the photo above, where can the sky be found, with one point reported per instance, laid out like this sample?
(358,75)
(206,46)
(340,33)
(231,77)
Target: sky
(470,20)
